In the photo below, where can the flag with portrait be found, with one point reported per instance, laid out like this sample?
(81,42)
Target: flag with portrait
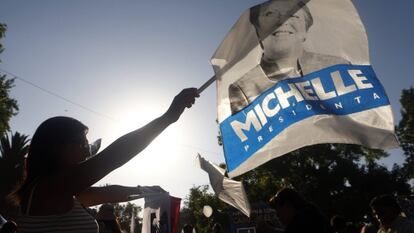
(293,73)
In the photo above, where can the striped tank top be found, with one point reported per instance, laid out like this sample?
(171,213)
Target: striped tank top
(76,220)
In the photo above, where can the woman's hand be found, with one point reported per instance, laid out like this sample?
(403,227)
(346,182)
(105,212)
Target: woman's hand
(185,99)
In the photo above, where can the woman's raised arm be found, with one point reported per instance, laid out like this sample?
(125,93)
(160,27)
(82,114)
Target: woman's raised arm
(85,174)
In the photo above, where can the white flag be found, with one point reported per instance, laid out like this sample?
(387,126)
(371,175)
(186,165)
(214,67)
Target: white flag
(297,73)
(228,190)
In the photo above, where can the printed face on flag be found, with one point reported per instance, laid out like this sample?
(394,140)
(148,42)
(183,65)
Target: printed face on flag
(281,27)
(292,69)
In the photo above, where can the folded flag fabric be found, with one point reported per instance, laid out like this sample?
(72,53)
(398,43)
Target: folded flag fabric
(229,191)
(293,73)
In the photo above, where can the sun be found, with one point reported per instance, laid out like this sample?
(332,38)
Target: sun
(165,144)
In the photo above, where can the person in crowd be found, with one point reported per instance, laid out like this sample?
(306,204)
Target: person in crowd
(58,183)
(107,221)
(217,228)
(340,225)
(188,228)
(297,214)
(9,227)
(281,27)
(390,215)
(370,228)
(263,226)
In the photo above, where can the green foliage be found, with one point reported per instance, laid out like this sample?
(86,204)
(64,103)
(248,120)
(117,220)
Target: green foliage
(340,179)
(405,129)
(12,150)
(124,214)
(12,153)
(3,28)
(192,211)
(8,106)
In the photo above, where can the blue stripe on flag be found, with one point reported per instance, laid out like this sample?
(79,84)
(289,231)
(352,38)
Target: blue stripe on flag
(336,90)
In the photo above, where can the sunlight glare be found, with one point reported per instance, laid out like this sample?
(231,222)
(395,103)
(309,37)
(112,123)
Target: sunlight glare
(164,147)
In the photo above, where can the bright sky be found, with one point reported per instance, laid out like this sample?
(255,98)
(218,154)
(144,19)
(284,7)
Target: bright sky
(126,60)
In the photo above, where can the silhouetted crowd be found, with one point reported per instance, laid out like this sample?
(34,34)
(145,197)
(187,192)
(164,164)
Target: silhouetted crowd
(298,215)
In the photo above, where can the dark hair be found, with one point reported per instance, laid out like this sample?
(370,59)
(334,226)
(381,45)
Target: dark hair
(385,201)
(9,227)
(255,12)
(188,228)
(290,196)
(338,222)
(106,217)
(46,145)
(216,228)
(110,225)
(370,228)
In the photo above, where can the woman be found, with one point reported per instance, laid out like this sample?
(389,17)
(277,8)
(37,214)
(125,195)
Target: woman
(59,178)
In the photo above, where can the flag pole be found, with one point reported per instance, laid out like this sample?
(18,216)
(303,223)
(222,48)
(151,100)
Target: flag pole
(206,84)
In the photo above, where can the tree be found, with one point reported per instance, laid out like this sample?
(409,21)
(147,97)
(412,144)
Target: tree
(12,149)
(3,28)
(125,212)
(405,130)
(8,106)
(12,154)
(339,178)
(192,211)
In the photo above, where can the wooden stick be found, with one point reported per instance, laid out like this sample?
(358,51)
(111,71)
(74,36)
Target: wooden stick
(206,84)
